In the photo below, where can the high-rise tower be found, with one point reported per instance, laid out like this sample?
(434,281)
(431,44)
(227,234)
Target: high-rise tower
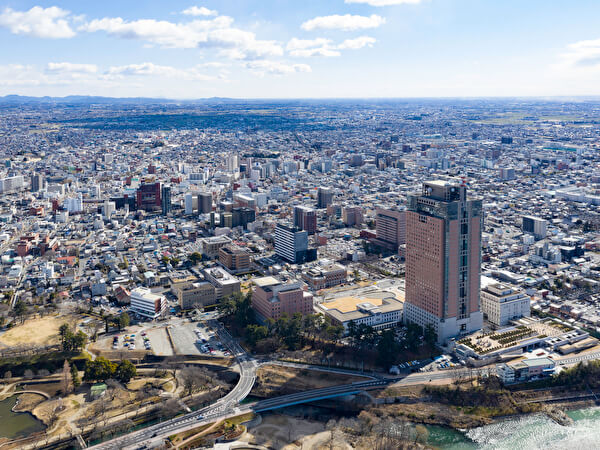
(443,259)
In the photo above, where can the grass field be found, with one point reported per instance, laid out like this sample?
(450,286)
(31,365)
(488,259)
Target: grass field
(39,331)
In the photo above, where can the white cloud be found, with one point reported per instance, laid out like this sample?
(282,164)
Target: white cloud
(51,23)
(155,70)
(357,43)
(305,48)
(347,22)
(213,33)
(199,11)
(583,55)
(263,67)
(385,2)
(65,67)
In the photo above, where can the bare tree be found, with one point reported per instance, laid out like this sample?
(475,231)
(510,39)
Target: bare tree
(66,380)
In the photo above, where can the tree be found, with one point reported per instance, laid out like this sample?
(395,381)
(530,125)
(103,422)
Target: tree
(66,379)
(125,371)
(430,335)
(387,349)
(256,333)
(20,310)
(195,258)
(63,331)
(123,320)
(75,376)
(100,369)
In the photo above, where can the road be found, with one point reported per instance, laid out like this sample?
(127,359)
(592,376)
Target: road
(224,407)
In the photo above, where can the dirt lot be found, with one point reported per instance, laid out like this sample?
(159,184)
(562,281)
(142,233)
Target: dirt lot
(284,432)
(40,331)
(280,380)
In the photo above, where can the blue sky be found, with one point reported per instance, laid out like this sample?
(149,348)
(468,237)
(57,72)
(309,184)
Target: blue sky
(300,48)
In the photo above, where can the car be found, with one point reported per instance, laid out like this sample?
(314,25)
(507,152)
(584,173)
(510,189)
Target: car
(200,417)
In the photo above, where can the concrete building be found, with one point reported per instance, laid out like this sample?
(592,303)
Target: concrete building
(147,304)
(165,200)
(271,298)
(148,197)
(500,304)
(225,284)
(325,277)
(12,184)
(373,307)
(234,258)
(390,227)
(306,219)
(37,182)
(443,259)
(204,202)
(525,370)
(352,216)
(210,246)
(192,295)
(535,226)
(291,244)
(324,197)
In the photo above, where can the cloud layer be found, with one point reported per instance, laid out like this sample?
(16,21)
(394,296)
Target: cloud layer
(346,22)
(49,23)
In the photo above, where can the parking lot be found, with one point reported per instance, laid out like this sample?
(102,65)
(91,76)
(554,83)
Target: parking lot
(159,341)
(191,338)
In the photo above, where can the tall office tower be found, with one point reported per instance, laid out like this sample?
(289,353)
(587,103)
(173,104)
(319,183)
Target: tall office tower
(95,191)
(148,197)
(443,259)
(37,182)
(291,244)
(324,197)
(205,202)
(306,219)
(165,200)
(191,203)
(390,227)
(233,163)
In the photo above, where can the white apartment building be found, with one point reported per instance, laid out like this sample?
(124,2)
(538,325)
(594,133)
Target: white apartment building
(502,303)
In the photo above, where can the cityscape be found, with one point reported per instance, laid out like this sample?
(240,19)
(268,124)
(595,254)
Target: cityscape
(289,271)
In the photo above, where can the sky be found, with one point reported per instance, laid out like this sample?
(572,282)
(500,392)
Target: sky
(300,48)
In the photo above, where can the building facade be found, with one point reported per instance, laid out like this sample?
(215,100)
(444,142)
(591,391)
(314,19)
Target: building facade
(147,304)
(443,259)
(500,304)
(291,244)
(271,298)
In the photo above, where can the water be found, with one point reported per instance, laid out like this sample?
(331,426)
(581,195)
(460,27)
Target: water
(15,425)
(530,432)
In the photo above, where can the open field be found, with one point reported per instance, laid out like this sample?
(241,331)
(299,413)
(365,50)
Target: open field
(39,331)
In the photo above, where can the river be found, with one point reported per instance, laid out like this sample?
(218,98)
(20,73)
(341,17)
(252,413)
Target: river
(528,432)
(15,425)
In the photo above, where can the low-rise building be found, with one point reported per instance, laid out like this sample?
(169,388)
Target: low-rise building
(325,277)
(234,258)
(147,304)
(501,303)
(525,370)
(374,307)
(225,284)
(192,295)
(271,298)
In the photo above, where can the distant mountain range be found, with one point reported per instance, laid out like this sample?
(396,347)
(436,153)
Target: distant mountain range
(89,99)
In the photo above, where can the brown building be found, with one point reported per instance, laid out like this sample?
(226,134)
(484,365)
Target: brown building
(325,277)
(234,258)
(271,298)
(443,259)
(192,295)
(390,227)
